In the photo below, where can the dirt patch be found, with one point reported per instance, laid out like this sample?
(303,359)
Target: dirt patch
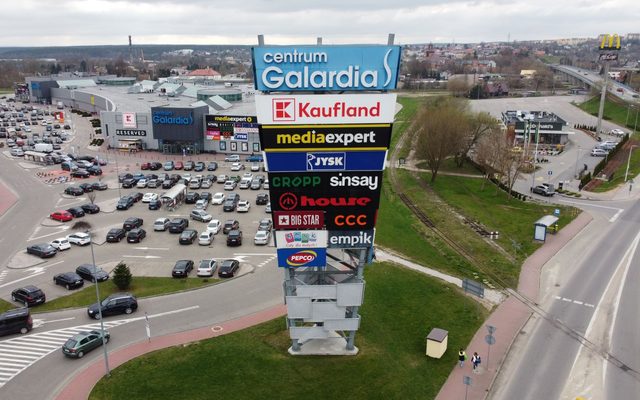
(612,165)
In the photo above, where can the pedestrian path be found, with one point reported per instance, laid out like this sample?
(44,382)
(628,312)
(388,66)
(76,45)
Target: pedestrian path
(19,353)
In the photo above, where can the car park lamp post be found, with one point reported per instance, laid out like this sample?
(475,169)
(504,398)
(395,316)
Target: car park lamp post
(575,172)
(626,173)
(95,280)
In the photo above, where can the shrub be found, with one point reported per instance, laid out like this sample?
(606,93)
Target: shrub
(122,276)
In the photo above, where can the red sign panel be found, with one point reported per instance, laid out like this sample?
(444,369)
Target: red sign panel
(298,219)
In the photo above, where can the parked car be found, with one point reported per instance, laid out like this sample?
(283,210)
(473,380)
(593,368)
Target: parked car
(62,216)
(267,208)
(15,321)
(265,224)
(254,158)
(599,152)
(92,273)
(81,343)
(80,174)
(255,167)
(29,296)
(214,226)
(182,268)
(232,158)
(188,236)
(90,208)
(168,166)
(205,238)
(94,170)
(207,268)
(86,187)
(228,268)
(77,212)
(115,235)
(262,199)
(243,206)
(200,215)
(154,166)
(188,165)
(178,165)
(234,238)
(137,196)
(60,244)
(117,303)
(237,166)
(125,203)
(74,191)
(262,238)
(42,250)
(70,280)
(218,198)
(212,166)
(177,225)
(199,167)
(161,224)
(149,196)
(202,204)
(136,235)
(192,197)
(230,225)
(79,238)
(155,204)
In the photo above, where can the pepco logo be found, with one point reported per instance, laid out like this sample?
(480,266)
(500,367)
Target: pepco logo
(284,109)
(301,258)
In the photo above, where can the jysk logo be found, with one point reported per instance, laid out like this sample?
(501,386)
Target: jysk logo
(167,118)
(326,161)
(284,109)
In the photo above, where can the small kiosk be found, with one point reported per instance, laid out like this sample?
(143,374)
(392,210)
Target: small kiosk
(540,227)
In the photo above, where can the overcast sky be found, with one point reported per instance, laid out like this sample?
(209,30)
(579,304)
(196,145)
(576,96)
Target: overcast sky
(109,22)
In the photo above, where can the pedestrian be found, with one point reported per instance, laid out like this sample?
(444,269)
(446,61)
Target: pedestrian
(475,360)
(461,357)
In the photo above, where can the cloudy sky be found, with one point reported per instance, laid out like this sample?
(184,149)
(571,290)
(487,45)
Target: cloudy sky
(108,22)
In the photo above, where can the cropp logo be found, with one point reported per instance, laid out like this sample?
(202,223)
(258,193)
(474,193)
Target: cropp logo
(301,258)
(284,109)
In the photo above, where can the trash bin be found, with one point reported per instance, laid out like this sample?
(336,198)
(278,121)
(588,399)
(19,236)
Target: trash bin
(437,342)
(560,185)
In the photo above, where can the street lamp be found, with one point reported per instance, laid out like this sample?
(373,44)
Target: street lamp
(626,173)
(95,280)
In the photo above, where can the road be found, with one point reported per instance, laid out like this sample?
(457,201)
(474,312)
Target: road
(578,292)
(593,78)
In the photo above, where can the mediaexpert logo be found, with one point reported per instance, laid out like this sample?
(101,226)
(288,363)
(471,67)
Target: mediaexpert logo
(284,109)
(301,258)
(325,161)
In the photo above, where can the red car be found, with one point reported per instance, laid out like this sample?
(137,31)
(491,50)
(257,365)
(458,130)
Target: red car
(178,165)
(145,165)
(62,216)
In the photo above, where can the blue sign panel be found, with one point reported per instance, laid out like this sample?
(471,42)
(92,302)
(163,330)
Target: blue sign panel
(313,68)
(326,161)
(299,258)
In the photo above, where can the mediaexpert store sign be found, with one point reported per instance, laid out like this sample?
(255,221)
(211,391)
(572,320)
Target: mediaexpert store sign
(314,68)
(323,137)
(326,109)
(318,161)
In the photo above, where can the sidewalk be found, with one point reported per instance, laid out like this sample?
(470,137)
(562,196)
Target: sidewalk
(7,198)
(79,386)
(508,318)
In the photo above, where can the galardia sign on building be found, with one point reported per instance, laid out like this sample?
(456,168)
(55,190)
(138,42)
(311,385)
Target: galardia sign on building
(313,68)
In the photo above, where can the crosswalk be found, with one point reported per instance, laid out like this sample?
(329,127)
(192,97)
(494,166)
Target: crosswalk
(19,353)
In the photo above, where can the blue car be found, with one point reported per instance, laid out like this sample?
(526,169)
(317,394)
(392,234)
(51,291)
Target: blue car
(255,158)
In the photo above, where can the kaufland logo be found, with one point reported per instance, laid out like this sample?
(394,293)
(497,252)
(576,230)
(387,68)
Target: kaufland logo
(287,109)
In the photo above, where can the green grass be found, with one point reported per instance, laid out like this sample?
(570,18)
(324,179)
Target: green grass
(449,165)
(6,90)
(5,305)
(140,287)
(401,307)
(403,121)
(613,111)
(550,59)
(618,175)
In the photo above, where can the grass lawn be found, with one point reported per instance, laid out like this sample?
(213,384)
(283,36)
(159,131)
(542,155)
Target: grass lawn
(6,90)
(618,175)
(401,307)
(140,287)
(613,111)
(5,305)
(449,165)
(403,121)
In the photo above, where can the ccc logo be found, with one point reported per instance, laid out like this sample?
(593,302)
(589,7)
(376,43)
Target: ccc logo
(351,220)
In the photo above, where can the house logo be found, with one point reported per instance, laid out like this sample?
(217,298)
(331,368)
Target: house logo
(284,109)
(288,201)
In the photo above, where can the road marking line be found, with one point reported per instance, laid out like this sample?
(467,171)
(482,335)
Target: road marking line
(565,299)
(62,229)
(577,302)
(21,279)
(589,305)
(615,217)
(58,320)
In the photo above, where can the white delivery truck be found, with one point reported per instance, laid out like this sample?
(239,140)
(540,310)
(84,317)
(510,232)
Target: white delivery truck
(43,147)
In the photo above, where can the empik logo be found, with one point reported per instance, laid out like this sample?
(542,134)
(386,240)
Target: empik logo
(301,258)
(284,109)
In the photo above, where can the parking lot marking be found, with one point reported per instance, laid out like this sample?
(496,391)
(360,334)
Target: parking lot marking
(62,229)
(141,256)
(21,279)
(151,248)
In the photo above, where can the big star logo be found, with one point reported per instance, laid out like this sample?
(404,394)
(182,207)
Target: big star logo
(284,109)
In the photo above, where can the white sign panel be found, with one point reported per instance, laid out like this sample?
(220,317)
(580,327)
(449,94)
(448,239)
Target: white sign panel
(326,109)
(129,120)
(301,239)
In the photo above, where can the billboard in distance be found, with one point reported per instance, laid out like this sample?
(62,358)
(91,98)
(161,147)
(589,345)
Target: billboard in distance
(230,127)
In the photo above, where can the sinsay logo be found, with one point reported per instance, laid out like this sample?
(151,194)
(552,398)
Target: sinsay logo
(326,161)
(284,109)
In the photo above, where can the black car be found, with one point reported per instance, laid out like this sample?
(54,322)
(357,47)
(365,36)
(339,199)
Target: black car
(167,184)
(262,199)
(29,296)
(212,166)
(137,196)
(74,191)
(155,205)
(188,236)
(229,205)
(69,280)
(128,183)
(136,235)
(199,167)
(177,225)
(117,303)
(86,187)
(92,273)
(80,174)
(123,177)
(15,321)
(42,250)
(124,203)
(192,198)
(115,235)
(228,268)
(76,212)
(206,196)
(90,208)
(94,170)
(234,238)
(189,165)
(182,268)
(154,166)
(229,225)
(99,186)
(132,223)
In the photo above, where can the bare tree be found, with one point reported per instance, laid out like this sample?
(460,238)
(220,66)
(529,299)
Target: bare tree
(480,124)
(459,87)
(441,131)
(91,196)
(497,156)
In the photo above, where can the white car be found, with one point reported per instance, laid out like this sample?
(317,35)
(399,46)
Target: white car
(243,206)
(617,132)
(247,175)
(599,152)
(79,238)
(262,238)
(214,226)
(222,178)
(142,183)
(202,204)
(232,158)
(161,224)
(218,198)
(148,197)
(230,185)
(267,208)
(237,166)
(255,167)
(207,268)
(265,185)
(16,152)
(61,244)
(205,238)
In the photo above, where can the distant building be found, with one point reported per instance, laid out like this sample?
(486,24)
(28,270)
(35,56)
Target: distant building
(527,73)
(552,128)
(206,73)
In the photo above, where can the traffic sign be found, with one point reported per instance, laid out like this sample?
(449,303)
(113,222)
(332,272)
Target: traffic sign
(490,339)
